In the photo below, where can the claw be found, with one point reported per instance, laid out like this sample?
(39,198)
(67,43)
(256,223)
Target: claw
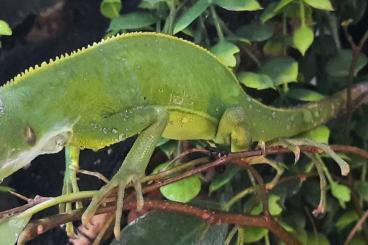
(119,211)
(104,191)
(139,193)
(96,201)
(292,147)
(262,145)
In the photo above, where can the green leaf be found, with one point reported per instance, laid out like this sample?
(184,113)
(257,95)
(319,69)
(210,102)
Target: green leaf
(225,51)
(255,31)
(110,8)
(274,47)
(339,65)
(5,188)
(320,4)
(362,189)
(300,234)
(170,148)
(361,128)
(164,228)
(153,2)
(346,219)
(221,180)
(303,94)
(135,20)
(281,4)
(238,5)
(273,9)
(191,14)
(181,191)
(253,234)
(353,10)
(281,70)
(320,134)
(358,240)
(11,228)
(269,12)
(303,38)
(317,239)
(5,29)
(255,80)
(273,206)
(340,192)
(286,226)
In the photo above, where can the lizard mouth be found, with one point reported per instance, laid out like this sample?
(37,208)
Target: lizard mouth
(52,142)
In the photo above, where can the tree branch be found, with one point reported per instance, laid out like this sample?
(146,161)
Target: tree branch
(36,228)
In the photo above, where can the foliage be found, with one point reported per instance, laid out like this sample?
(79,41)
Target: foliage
(285,52)
(260,51)
(4,29)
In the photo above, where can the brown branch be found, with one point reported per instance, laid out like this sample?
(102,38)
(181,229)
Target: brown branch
(356,50)
(358,226)
(221,161)
(31,203)
(45,224)
(33,229)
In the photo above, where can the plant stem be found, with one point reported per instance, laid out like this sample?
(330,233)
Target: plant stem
(57,200)
(239,196)
(169,24)
(302,12)
(216,22)
(230,235)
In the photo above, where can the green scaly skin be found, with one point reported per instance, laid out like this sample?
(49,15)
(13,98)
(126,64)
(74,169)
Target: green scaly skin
(142,83)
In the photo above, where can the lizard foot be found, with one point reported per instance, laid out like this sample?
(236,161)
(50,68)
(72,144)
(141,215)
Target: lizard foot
(344,166)
(119,182)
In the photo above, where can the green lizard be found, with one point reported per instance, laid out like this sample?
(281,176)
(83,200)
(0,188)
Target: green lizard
(146,84)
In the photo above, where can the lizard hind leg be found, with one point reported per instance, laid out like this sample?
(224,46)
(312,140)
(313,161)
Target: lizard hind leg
(233,130)
(152,122)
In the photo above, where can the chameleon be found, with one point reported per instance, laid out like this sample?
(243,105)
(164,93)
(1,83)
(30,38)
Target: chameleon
(146,84)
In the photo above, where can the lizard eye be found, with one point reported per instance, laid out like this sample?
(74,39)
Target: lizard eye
(29,135)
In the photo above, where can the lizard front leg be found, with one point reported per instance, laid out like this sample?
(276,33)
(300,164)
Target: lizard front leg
(152,121)
(70,181)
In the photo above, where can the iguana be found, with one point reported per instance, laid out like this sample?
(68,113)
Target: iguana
(146,84)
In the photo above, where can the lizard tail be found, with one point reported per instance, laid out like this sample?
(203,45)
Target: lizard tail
(287,122)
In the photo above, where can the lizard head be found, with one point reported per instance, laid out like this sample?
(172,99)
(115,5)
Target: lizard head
(21,140)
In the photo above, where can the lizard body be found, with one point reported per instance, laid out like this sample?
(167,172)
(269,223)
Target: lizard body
(142,83)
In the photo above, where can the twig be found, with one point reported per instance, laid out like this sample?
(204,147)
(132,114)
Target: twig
(40,226)
(218,162)
(91,173)
(261,190)
(20,196)
(31,203)
(356,50)
(211,217)
(248,220)
(358,226)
